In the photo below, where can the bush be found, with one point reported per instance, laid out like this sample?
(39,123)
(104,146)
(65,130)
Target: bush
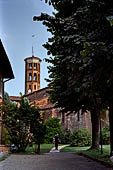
(65,137)
(5,136)
(52,128)
(106,135)
(80,137)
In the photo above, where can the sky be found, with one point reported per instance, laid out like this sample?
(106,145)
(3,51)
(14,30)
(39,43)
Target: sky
(16,30)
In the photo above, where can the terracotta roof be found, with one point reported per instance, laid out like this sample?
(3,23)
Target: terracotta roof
(37,91)
(5,66)
(33,57)
(15,98)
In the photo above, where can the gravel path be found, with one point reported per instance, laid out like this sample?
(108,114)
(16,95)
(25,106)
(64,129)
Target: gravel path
(50,161)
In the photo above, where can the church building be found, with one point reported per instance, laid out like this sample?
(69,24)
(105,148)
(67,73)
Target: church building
(40,98)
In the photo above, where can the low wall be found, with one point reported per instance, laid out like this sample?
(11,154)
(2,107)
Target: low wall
(4,148)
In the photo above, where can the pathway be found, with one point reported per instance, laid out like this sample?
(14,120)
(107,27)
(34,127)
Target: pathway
(59,148)
(50,161)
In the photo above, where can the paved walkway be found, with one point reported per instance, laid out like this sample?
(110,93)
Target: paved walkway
(50,161)
(59,148)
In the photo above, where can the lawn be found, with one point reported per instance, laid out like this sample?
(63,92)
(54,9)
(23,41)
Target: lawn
(74,149)
(44,148)
(106,148)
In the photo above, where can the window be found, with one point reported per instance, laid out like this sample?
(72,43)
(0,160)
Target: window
(30,77)
(30,65)
(35,76)
(35,65)
(34,87)
(29,86)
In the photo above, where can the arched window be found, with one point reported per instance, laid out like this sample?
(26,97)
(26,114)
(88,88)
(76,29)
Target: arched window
(35,76)
(35,65)
(30,77)
(35,87)
(29,86)
(30,65)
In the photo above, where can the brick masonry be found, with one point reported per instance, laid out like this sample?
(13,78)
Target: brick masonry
(4,148)
(71,121)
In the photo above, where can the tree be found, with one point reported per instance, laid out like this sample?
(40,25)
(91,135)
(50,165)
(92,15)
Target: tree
(17,121)
(65,45)
(6,98)
(82,46)
(52,128)
(37,128)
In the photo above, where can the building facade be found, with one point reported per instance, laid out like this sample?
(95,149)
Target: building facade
(72,121)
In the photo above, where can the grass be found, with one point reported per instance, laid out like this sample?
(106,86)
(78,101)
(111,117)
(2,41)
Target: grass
(106,148)
(44,148)
(74,149)
(4,157)
(94,154)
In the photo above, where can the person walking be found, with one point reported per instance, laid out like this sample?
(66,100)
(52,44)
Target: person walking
(56,141)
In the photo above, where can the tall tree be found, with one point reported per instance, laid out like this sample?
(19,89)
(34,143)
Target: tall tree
(82,46)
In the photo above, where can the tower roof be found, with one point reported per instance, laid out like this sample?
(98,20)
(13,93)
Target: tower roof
(33,57)
(5,66)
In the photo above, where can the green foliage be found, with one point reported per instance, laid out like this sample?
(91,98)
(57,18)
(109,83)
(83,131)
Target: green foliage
(37,128)
(5,136)
(80,137)
(6,98)
(52,128)
(65,136)
(82,46)
(17,121)
(106,135)
(16,124)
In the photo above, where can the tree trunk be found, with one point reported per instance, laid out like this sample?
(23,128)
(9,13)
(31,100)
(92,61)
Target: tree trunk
(95,118)
(111,128)
(38,148)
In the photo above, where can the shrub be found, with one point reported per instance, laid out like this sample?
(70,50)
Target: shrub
(5,136)
(106,135)
(52,128)
(80,137)
(65,137)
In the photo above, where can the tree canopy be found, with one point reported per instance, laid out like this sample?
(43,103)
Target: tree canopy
(24,124)
(82,45)
(82,50)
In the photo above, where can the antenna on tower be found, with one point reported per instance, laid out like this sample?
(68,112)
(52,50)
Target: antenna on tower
(33,48)
(32,51)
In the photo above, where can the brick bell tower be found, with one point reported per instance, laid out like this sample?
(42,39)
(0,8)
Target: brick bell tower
(32,74)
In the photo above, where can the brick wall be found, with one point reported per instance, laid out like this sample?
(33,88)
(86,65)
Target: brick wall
(72,121)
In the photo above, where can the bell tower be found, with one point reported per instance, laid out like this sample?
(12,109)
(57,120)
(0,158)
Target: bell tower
(32,74)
